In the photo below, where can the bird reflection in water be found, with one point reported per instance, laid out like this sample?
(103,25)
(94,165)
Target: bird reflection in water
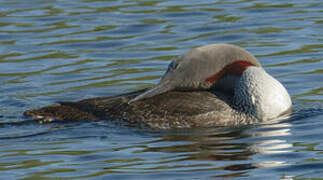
(216,149)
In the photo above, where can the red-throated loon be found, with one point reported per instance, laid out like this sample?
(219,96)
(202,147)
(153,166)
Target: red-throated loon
(213,85)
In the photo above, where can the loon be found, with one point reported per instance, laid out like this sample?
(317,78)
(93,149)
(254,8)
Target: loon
(212,85)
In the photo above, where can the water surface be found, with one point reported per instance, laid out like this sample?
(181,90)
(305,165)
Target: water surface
(69,50)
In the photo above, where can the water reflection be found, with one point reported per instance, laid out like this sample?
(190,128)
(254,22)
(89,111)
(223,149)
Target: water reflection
(218,152)
(107,150)
(212,149)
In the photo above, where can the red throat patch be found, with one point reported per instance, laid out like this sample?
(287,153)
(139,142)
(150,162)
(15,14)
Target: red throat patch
(236,68)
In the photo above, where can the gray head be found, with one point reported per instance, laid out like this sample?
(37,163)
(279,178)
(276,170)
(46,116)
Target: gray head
(204,68)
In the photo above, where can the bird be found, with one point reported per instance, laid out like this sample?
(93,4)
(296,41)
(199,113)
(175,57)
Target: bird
(211,85)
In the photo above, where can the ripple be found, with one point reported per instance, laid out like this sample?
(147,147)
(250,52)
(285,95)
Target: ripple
(67,50)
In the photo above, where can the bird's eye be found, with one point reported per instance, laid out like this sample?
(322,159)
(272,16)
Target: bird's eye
(175,65)
(172,66)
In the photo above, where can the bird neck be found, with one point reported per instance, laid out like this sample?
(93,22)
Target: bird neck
(260,94)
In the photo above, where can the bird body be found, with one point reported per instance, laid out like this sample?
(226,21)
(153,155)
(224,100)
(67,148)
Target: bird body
(213,85)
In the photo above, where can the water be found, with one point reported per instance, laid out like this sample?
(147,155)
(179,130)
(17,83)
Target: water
(69,50)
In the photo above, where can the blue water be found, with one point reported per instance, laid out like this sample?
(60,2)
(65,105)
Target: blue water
(69,50)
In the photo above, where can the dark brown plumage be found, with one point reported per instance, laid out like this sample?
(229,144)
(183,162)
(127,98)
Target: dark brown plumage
(169,110)
(213,85)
